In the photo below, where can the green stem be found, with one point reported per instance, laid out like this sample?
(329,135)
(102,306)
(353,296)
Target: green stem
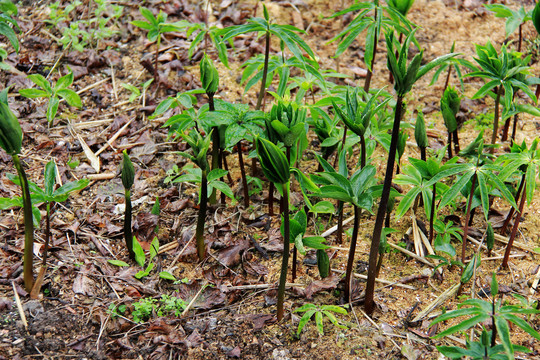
(467,217)
(243,173)
(215,147)
(262,91)
(199,232)
(381,212)
(432,215)
(128,236)
(369,75)
(285,261)
(363,149)
(28,227)
(496,117)
(514,229)
(352,250)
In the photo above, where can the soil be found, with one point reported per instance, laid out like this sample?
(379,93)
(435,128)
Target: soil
(235,317)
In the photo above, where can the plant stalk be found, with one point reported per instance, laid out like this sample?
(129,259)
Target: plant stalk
(243,173)
(432,215)
(128,236)
(262,91)
(28,258)
(514,230)
(496,117)
(512,210)
(352,250)
(215,147)
(381,212)
(369,75)
(467,217)
(285,260)
(199,232)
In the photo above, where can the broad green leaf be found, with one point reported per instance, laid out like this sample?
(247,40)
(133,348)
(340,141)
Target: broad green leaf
(50,178)
(319,322)
(71,97)
(64,81)
(304,320)
(503,332)
(167,276)
(139,252)
(40,81)
(52,108)
(33,93)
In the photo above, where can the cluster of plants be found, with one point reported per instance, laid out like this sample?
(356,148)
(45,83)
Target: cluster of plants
(346,121)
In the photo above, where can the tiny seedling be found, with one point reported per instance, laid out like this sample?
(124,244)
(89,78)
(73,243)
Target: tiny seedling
(328,311)
(53,93)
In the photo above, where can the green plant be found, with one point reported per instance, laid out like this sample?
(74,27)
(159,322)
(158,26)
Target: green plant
(143,309)
(7,25)
(450,103)
(286,34)
(128,178)
(115,311)
(455,63)
(53,93)
(157,27)
(504,74)
(11,136)
(420,135)
(171,305)
(405,77)
(514,18)
(327,310)
(479,171)
(140,257)
(136,94)
(371,18)
(49,195)
(276,168)
(480,311)
(355,190)
(526,160)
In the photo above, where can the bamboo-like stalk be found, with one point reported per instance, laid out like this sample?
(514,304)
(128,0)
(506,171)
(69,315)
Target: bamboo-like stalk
(28,258)
(381,212)
(496,117)
(128,235)
(514,229)
(243,175)
(467,217)
(285,260)
(199,232)
(262,91)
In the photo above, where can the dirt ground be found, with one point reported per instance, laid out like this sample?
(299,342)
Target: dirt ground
(234,317)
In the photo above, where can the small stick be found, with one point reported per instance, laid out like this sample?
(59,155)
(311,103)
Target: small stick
(499,257)
(190,305)
(448,293)
(411,254)
(103,176)
(114,137)
(518,245)
(260,286)
(382,281)
(334,228)
(19,306)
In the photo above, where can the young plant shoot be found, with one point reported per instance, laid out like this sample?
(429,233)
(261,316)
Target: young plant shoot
(11,136)
(128,178)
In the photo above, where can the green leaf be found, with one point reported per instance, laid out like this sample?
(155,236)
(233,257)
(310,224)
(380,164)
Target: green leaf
(71,97)
(504,334)
(304,320)
(64,82)
(273,162)
(33,93)
(139,252)
(167,276)
(8,32)
(118,263)
(464,325)
(319,322)
(42,82)
(154,248)
(52,108)
(322,207)
(299,244)
(50,178)
(216,174)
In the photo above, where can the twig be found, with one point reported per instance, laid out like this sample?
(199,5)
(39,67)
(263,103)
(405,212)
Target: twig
(382,281)
(448,293)
(333,229)
(193,300)
(19,306)
(114,137)
(499,257)
(411,254)
(260,286)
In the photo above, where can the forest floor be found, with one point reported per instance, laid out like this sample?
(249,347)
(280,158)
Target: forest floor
(86,306)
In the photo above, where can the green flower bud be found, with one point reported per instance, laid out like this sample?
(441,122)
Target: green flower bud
(403,6)
(10,130)
(323,263)
(128,172)
(420,134)
(536,17)
(209,75)
(288,122)
(273,162)
(450,103)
